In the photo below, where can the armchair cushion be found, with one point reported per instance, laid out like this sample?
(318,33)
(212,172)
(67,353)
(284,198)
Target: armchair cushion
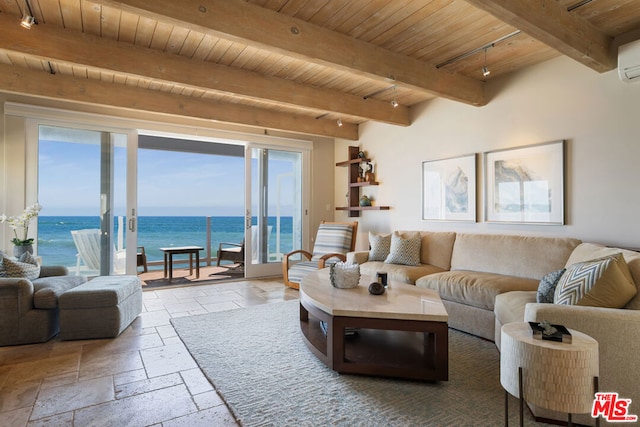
(26,267)
(332,238)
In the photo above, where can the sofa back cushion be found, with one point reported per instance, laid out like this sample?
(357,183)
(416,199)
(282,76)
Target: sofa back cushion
(589,251)
(520,256)
(436,247)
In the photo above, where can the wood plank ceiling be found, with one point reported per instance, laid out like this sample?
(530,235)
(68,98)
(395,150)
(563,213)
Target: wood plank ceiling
(295,65)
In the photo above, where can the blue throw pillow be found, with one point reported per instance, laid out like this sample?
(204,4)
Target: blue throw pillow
(547,286)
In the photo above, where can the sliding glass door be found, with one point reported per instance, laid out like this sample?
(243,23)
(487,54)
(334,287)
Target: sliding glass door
(275,214)
(87,187)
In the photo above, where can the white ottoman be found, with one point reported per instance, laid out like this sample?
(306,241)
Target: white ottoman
(100,308)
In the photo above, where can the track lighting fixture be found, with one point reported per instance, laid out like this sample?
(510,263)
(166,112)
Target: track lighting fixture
(394,102)
(485,70)
(339,123)
(28,19)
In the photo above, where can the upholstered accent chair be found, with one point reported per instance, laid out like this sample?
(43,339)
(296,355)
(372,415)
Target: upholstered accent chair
(333,241)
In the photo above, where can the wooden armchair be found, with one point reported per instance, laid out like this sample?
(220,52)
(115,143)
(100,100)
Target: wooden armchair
(333,241)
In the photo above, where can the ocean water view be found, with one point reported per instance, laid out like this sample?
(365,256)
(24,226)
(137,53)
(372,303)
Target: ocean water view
(56,247)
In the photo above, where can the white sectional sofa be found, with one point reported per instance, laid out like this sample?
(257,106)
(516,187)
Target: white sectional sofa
(486,281)
(616,330)
(469,270)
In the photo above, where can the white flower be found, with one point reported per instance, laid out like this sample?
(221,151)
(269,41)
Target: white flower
(22,221)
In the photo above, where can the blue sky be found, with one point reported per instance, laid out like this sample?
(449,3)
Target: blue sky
(169,183)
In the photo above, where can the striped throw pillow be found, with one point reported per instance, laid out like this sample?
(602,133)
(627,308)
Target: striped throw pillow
(331,239)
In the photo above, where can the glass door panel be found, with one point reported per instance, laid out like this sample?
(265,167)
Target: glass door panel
(85,194)
(274,214)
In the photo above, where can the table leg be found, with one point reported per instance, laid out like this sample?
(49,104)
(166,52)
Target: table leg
(190,263)
(170,266)
(506,408)
(596,387)
(165,264)
(520,390)
(197,264)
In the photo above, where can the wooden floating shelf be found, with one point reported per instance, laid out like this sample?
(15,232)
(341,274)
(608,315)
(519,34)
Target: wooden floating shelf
(354,184)
(352,162)
(363,208)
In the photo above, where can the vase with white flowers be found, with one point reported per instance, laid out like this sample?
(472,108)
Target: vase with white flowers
(20,226)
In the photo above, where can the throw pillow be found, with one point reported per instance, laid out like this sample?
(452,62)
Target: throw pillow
(26,267)
(405,251)
(380,245)
(614,289)
(547,286)
(580,278)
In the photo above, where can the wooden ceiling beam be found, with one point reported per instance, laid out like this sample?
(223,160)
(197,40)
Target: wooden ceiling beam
(56,86)
(550,23)
(55,44)
(243,22)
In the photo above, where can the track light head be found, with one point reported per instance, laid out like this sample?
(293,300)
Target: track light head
(339,123)
(485,71)
(27,21)
(394,103)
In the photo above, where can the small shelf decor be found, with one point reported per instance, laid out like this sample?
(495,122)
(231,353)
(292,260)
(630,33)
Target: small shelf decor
(357,180)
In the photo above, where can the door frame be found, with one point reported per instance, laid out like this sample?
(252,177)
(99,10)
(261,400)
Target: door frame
(32,137)
(269,269)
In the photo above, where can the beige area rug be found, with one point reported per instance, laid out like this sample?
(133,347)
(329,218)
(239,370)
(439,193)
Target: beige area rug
(257,361)
(181,276)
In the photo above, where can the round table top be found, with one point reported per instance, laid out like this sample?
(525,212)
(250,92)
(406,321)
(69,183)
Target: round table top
(521,331)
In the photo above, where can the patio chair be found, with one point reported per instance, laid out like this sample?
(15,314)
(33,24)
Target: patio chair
(141,259)
(231,252)
(87,243)
(333,241)
(235,251)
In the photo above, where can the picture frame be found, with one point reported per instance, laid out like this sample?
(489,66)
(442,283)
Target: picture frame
(449,189)
(525,184)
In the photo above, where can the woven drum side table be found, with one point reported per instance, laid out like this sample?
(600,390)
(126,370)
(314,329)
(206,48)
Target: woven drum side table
(558,376)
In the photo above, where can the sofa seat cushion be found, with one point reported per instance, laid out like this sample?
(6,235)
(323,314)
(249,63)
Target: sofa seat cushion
(510,306)
(47,290)
(399,273)
(477,289)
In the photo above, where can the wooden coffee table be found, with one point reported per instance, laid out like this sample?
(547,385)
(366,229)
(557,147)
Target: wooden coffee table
(402,333)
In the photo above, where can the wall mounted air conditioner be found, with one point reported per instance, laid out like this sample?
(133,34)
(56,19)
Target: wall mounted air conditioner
(629,62)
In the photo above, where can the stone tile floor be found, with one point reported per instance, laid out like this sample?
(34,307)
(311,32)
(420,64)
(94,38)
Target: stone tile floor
(144,377)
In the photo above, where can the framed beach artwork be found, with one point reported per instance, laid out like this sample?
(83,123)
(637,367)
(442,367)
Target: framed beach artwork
(449,189)
(525,185)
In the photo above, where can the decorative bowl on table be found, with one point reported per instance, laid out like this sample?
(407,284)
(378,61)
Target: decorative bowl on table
(344,275)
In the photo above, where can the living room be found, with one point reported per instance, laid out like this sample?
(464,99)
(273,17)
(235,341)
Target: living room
(560,99)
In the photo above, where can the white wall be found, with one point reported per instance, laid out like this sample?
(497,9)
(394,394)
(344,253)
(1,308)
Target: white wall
(597,114)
